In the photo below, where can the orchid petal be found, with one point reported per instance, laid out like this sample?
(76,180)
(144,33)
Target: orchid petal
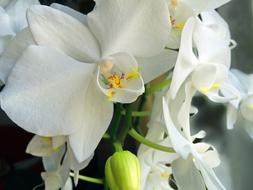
(68,185)
(233,88)
(186,61)
(211,75)
(201,147)
(52,180)
(186,175)
(52,162)
(77,15)
(211,157)
(74,164)
(17,13)
(211,180)
(56,29)
(58,141)
(158,178)
(215,97)
(5,24)
(41,146)
(57,170)
(130,26)
(4,41)
(200,135)
(211,45)
(246,108)
(231,116)
(245,81)
(184,112)
(156,66)
(179,143)
(13,51)
(49,90)
(84,141)
(213,20)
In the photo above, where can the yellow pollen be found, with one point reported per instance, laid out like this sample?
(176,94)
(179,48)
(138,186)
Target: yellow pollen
(132,74)
(110,94)
(165,174)
(207,89)
(115,81)
(179,26)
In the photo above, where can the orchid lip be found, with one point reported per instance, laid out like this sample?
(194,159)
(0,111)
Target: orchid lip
(214,86)
(113,78)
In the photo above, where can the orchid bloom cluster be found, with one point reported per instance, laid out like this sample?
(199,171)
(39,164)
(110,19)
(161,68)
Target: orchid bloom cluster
(71,79)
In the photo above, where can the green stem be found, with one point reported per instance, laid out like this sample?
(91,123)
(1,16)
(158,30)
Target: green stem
(117,146)
(158,87)
(128,124)
(137,113)
(116,122)
(89,179)
(137,120)
(106,186)
(147,142)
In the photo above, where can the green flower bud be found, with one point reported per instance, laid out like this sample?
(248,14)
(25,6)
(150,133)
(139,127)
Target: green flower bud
(122,171)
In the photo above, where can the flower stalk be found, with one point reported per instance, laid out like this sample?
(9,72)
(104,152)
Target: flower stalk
(134,134)
(89,179)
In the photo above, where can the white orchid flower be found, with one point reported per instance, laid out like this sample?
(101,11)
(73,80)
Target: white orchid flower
(156,168)
(12,19)
(204,56)
(155,165)
(194,169)
(58,160)
(182,10)
(75,72)
(243,88)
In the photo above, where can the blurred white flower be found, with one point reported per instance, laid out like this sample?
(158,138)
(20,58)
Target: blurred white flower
(242,85)
(62,85)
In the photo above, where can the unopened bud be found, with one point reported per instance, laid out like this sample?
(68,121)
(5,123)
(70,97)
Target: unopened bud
(122,171)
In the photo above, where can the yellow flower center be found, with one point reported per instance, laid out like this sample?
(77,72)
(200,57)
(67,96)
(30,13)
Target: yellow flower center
(165,174)
(112,77)
(115,81)
(205,90)
(49,140)
(133,74)
(176,25)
